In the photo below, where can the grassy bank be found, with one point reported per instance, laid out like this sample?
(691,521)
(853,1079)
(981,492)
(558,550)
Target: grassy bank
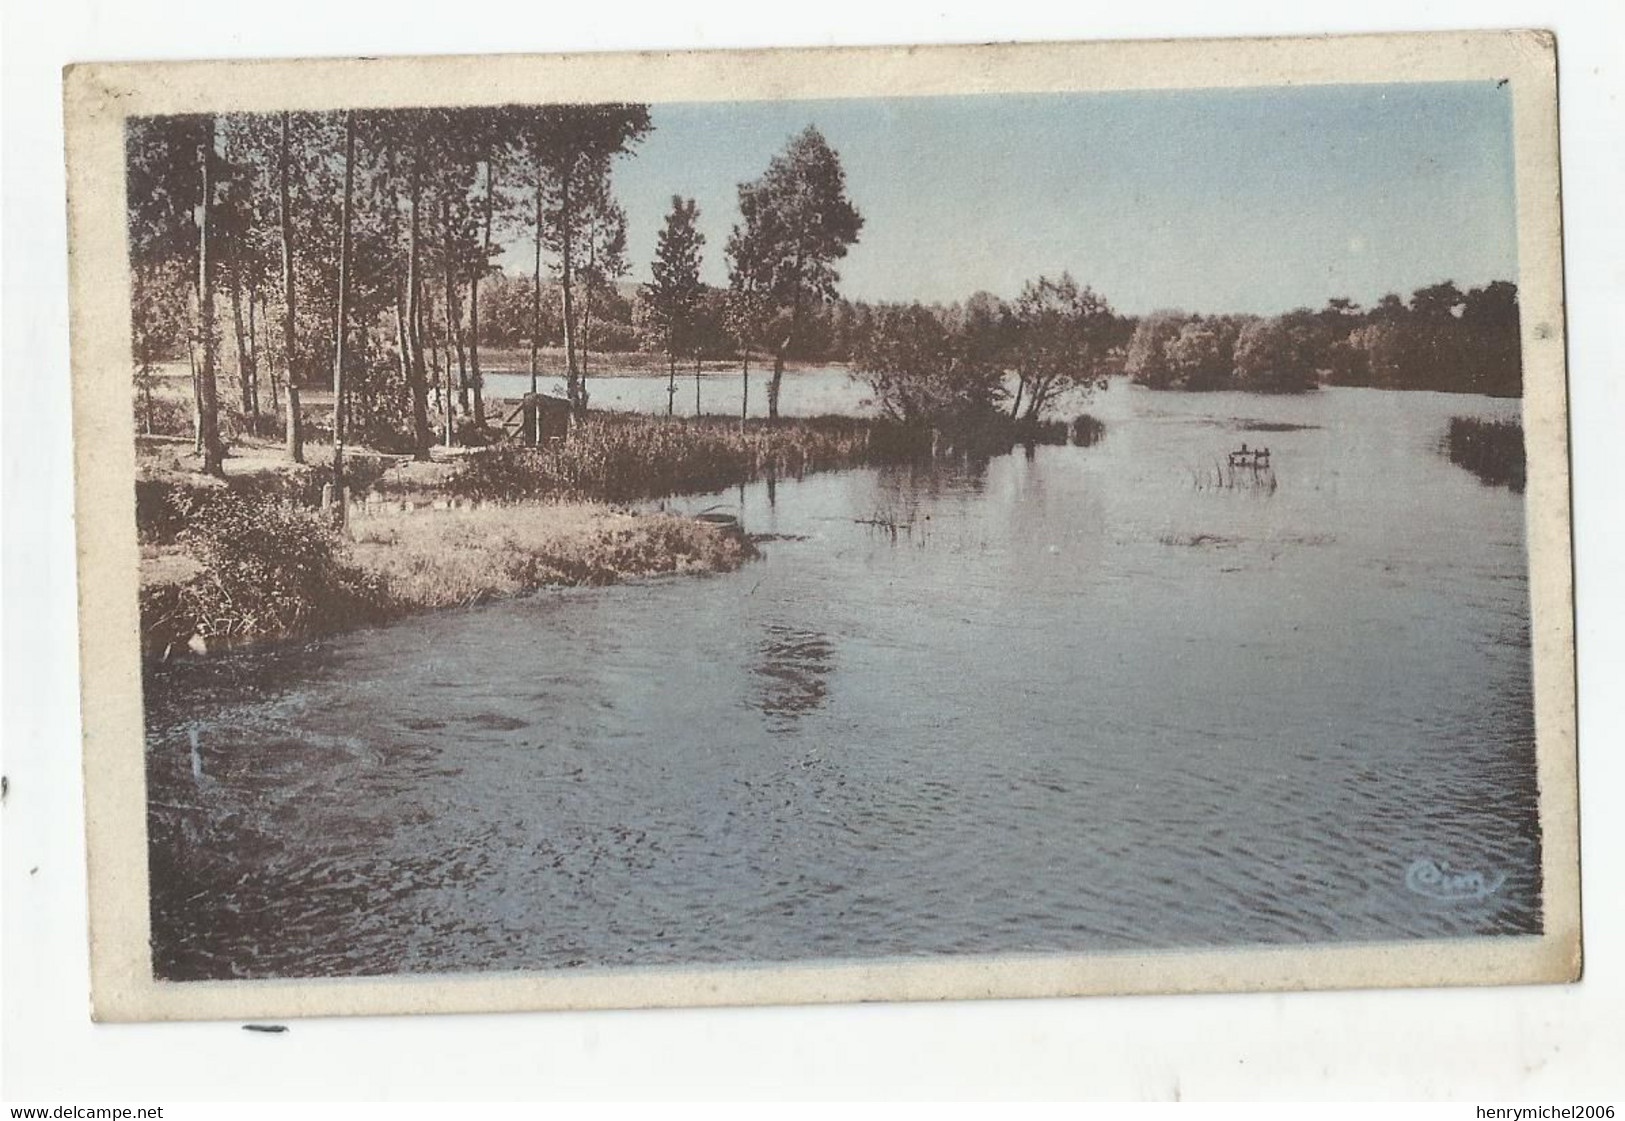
(458,557)
(248,565)
(1491,449)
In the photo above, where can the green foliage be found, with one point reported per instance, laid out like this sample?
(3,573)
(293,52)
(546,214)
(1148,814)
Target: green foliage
(796,222)
(674,295)
(923,370)
(1279,355)
(1202,355)
(270,567)
(1064,334)
(1444,339)
(162,187)
(1147,360)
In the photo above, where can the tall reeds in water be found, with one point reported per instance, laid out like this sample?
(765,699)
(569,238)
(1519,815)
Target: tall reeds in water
(618,458)
(1491,449)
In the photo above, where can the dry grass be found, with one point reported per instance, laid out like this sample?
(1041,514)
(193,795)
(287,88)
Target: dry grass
(267,570)
(451,557)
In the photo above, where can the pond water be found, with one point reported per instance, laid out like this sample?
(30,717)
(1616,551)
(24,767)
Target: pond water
(807,391)
(1082,699)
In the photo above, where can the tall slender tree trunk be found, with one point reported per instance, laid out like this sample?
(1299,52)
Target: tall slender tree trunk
(343,313)
(422,435)
(454,325)
(430,343)
(450,399)
(671,380)
(696,383)
(403,345)
(254,347)
(576,390)
(454,313)
(259,345)
(744,398)
(586,328)
(462,342)
(214,453)
(585,341)
(476,382)
(777,381)
(536,314)
(1035,402)
(295,428)
(773,385)
(245,363)
(197,393)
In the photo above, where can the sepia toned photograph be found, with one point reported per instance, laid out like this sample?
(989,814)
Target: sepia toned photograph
(815,526)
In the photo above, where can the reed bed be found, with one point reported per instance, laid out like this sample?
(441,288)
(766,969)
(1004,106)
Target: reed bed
(1491,449)
(619,458)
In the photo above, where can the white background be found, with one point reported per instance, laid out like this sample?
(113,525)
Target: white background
(1547,1044)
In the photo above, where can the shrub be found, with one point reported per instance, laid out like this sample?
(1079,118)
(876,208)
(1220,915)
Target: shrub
(1087,431)
(1043,432)
(269,567)
(168,416)
(158,517)
(266,424)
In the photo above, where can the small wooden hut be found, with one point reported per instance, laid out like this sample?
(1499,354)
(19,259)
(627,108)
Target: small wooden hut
(539,419)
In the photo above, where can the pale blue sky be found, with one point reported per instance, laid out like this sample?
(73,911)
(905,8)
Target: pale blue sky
(1252,200)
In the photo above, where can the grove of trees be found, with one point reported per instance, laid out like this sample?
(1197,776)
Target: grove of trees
(365,236)
(1442,339)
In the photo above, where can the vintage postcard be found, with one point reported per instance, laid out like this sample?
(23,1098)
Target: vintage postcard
(899,523)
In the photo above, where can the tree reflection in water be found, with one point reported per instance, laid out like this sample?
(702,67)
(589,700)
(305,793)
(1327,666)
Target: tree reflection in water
(792,674)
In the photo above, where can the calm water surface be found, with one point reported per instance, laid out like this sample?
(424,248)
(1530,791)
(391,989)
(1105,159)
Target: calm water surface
(1081,700)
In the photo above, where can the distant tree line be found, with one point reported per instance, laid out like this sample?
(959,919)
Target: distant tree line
(1442,339)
